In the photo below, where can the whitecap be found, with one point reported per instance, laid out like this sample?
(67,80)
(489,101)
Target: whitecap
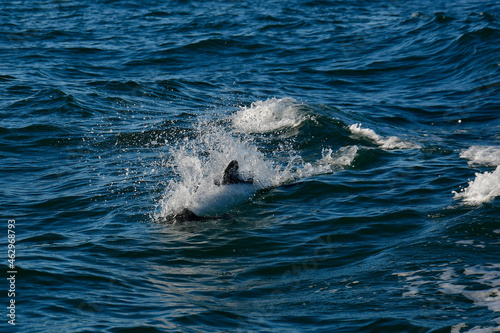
(341,158)
(200,162)
(482,155)
(268,115)
(330,162)
(390,142)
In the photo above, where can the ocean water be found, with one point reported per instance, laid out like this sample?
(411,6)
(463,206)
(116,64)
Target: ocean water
(371,130)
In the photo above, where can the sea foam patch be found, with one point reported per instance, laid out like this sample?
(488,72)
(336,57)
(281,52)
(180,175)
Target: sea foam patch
(482,155)
(389,142)
(199,164)
(268,115)
(486,186)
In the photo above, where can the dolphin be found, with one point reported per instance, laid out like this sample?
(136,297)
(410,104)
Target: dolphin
(213,201)
(232,175)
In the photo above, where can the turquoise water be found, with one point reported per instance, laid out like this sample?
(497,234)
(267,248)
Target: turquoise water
(370,129)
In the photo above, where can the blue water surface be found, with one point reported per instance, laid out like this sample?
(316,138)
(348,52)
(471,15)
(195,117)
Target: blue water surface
(373,128)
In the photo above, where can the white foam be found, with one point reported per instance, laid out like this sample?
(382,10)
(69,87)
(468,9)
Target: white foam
(330,162)
(482,155)
(390,142)
(341,158)
(200,161)
(484,188)
(268,115)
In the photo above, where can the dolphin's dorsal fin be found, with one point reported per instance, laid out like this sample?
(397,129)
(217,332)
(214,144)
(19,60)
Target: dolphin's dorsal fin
(231,174)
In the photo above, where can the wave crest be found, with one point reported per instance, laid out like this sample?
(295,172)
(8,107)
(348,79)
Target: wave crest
(390,142)
(268,115)
(486,186)
(199,160)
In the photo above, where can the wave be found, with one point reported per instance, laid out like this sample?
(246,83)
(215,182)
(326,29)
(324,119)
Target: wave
(391,142)
(199,161)
(266,116)
(486,186)
(276,141)
(482,155)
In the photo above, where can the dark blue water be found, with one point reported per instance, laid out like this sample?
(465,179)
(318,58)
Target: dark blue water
(371,130)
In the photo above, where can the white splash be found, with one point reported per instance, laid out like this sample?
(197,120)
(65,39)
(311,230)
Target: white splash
(330,162)
(482,155)
(341,158)
(269,115)
(198,163)
(390,142)
(455,281)
(212,200)
(486,186)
